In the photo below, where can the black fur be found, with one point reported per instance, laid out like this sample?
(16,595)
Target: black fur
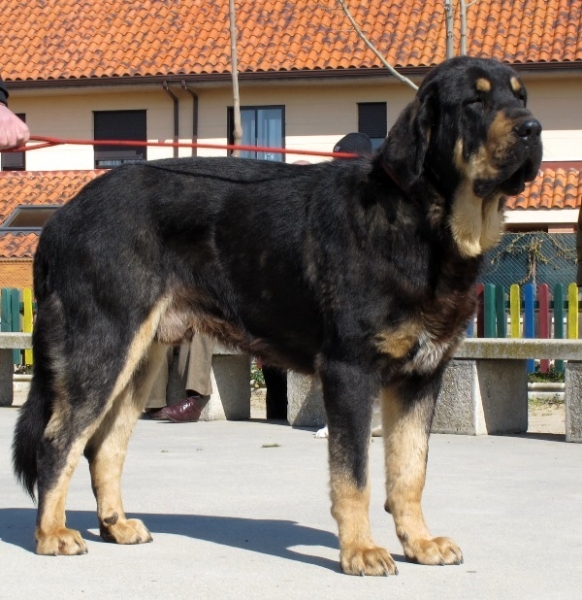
(350,269)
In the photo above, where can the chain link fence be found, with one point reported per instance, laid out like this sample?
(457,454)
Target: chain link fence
(533,257)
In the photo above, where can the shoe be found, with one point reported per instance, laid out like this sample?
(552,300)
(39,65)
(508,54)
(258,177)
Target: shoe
(154,414)
(187,411)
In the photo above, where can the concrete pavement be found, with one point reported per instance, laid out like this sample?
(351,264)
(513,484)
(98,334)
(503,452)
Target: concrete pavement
(241,510)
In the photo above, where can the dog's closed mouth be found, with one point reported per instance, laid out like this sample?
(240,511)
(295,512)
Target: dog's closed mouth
(516,183)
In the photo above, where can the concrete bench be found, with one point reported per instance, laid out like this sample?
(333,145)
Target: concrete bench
(10,341)
(484,388)
(230,379)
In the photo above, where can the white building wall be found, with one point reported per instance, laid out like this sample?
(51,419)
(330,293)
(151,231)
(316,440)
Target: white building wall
(556,103)
(316,115)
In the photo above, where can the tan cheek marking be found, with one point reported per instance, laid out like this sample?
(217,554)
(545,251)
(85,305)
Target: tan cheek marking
(483,85)
(515,84)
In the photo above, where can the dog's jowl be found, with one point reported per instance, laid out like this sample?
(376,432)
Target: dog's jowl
(361,271)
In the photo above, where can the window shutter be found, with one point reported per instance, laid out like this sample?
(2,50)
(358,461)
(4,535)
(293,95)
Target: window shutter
(373,119)
(120,125)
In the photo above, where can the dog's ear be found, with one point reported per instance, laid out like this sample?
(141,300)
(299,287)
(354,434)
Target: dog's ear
(402,153)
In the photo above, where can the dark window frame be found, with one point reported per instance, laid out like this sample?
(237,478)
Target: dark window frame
(374,124)
(19,214)
(109,125)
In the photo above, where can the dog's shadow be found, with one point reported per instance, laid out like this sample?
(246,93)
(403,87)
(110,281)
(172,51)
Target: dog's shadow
(273,537)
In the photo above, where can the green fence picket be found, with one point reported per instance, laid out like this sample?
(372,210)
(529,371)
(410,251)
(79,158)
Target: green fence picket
(489,311)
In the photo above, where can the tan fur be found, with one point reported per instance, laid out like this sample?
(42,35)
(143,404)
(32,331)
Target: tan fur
(398,342)
(483,85)
(466,220)
(52,536)
(406,431)
(358,553)
(493,223)
(477,224)
(515,84)
(500,137)
(108,449)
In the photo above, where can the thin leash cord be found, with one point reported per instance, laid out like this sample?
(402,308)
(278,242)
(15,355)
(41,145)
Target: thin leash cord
(48,142)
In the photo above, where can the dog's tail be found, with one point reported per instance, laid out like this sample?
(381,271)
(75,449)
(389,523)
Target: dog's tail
(37,410)
(32,421)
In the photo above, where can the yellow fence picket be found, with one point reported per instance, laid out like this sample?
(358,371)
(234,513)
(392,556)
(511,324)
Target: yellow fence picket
(573,311)
(27,321)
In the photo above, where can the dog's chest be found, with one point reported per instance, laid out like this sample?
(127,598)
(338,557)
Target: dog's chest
(421,342)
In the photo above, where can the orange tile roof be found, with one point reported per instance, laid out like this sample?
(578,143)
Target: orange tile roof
(553,189)
(78,39)
(27,188)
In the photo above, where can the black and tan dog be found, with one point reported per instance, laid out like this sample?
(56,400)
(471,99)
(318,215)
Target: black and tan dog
(361,271)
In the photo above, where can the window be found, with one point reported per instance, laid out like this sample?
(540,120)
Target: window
(373,121)
(119,125)
(29,218)
(14,161)
(262,126)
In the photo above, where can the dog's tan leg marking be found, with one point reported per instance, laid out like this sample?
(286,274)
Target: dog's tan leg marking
(107,450)
(406,451)
(359,555)
(52,536)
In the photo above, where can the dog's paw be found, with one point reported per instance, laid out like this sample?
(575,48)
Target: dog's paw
(125,531)
(367,561)
(61,541)
(321,433)
(436,551)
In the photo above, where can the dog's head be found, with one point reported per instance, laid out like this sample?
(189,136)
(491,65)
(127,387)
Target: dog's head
(469,135)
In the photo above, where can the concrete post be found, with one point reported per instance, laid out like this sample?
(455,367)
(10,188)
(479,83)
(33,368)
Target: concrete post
(574,401)
(6,372)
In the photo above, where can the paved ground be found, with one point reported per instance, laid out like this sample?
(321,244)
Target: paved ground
(240,510)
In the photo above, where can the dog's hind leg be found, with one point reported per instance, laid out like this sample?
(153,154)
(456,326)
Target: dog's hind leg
(57,462)
(348,396)
(107,449)
(407,411)
(87,380)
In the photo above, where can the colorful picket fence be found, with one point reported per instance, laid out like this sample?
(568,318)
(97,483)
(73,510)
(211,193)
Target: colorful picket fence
(528,312)
(16,314)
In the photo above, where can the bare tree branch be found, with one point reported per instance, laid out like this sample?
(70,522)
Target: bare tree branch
(235,89)
(372,47)
(450,22)
(464,6)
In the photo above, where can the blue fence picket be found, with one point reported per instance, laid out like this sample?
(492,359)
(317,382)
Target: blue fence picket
(529,327)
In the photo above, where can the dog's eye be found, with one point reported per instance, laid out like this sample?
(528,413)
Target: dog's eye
(475,103)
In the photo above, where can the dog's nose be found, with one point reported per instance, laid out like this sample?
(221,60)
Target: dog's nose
(528,128)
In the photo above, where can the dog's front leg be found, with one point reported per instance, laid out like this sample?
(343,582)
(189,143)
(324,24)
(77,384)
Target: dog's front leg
(407,411)
(348,396)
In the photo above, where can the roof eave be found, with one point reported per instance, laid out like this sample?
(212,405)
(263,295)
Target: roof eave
(206,78)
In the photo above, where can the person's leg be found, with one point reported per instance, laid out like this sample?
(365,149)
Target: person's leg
(276,382)
(158,396)
(194,366)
